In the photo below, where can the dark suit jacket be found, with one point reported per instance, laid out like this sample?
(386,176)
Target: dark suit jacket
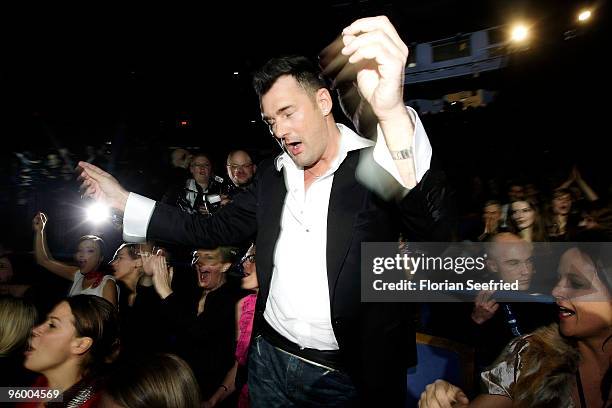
(205,341)
(377,339)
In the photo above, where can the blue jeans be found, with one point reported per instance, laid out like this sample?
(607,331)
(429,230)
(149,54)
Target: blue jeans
(280,379)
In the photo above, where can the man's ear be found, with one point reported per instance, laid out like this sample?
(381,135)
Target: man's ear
(81,345)
(324,100)
(492,265)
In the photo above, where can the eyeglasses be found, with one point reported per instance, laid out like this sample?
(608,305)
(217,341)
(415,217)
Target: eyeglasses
(240,166)
(250,258)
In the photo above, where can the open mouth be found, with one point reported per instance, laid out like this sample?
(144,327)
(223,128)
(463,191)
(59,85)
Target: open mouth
(564,312)
(294,148)
(203,275)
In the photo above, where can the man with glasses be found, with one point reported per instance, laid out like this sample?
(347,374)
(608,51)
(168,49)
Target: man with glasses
(240,170)
(201,193)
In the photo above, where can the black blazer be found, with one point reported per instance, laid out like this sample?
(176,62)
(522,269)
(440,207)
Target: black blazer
(207,342)
(377,339)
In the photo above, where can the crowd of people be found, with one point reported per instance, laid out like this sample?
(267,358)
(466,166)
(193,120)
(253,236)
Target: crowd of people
(245,291)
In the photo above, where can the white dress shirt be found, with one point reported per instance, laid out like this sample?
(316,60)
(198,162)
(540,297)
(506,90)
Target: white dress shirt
(298,305)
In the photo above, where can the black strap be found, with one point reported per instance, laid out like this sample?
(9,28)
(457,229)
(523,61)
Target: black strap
(512,321)
(580,390)
(199,197)
(329,358)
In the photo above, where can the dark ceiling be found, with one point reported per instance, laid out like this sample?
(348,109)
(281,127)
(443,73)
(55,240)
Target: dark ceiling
(80,72)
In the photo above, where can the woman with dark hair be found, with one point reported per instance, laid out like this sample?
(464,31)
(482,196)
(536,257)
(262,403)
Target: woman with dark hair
(160,380)
(128,269)
(87,279)
(563,209)
(139,304)
(72,348)
(561,220)
(524,219)
(564,365)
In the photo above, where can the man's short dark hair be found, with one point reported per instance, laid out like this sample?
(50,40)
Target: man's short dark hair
(306,73)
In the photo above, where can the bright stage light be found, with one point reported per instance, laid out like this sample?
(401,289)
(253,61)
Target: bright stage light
(519,33)
(584,15)
(98,213)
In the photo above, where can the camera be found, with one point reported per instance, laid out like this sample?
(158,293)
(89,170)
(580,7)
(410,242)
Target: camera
(212,202)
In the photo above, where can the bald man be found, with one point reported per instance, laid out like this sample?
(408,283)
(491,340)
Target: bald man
(240,169)
(509,258)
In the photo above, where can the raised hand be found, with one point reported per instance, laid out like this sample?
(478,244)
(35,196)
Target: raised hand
(101,186)
(379,55)
(162,275)
(39,221)
(367,64)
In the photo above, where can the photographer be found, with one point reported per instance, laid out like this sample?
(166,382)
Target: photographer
(199,194)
